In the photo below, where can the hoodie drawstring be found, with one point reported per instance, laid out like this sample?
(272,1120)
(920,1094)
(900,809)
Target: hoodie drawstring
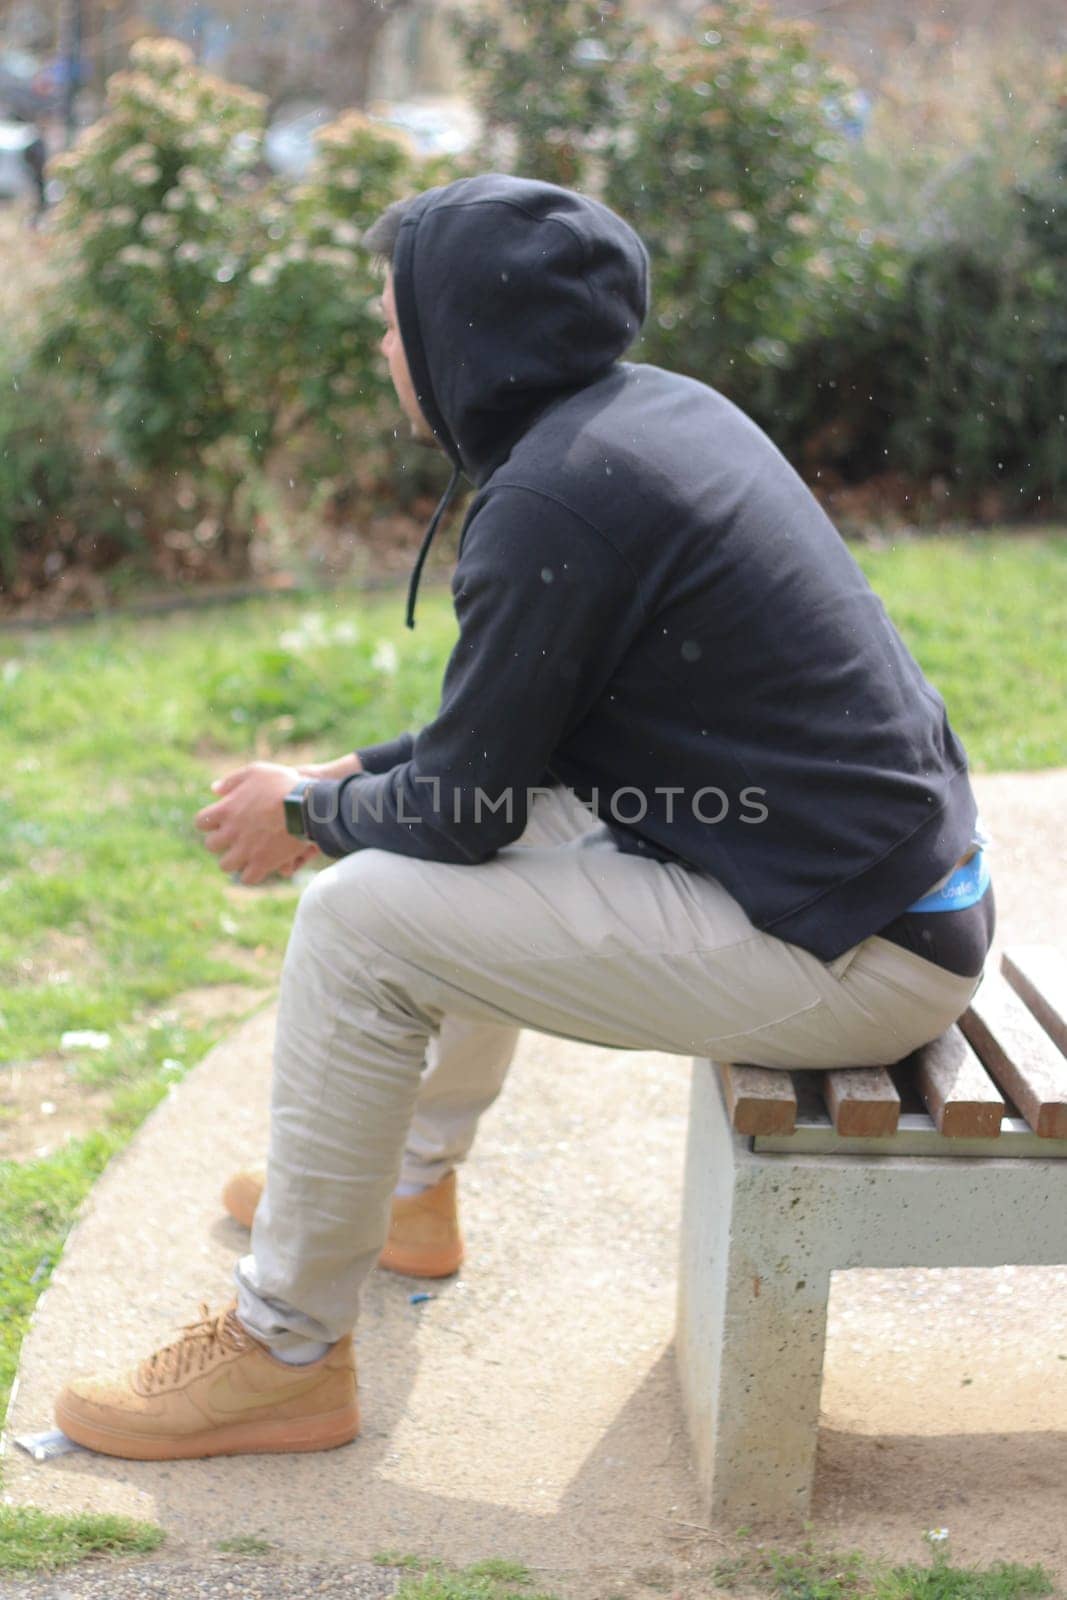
(427,539)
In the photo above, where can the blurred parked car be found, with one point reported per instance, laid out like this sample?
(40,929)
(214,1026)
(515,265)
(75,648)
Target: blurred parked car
(21,161)
(435,127)
(289,142)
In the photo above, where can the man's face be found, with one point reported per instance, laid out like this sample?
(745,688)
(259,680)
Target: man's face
(393,351)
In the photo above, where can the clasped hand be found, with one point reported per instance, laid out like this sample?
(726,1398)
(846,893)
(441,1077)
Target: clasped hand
(245,826)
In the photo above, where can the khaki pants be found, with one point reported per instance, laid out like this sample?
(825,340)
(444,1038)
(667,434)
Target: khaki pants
(405,986)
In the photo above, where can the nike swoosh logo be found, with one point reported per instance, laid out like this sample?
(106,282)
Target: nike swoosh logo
(226,1397)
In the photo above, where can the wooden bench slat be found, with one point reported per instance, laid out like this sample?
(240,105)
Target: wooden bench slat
(1038,974)
(760,1099)
(862,1101)
(1020,1055)
(959,1094)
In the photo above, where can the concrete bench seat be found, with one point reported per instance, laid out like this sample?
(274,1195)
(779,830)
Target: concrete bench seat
(955,1156)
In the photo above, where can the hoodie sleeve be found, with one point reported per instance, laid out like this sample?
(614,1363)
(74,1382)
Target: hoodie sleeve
(546,609)
(385,756)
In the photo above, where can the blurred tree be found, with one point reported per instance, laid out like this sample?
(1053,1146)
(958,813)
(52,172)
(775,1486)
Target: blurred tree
(545,76)
(357,33)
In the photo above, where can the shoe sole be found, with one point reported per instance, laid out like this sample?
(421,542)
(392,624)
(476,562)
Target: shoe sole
(326,1432)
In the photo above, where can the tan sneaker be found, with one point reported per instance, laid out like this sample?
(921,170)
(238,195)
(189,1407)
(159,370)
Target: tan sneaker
(216,1391)
(424,1236)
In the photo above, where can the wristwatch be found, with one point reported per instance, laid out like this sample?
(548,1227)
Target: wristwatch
(296,808)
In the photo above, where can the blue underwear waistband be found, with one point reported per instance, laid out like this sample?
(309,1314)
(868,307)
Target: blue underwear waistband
(966,886)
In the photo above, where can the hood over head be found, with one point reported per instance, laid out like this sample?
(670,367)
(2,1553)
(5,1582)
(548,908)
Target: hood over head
(510,292)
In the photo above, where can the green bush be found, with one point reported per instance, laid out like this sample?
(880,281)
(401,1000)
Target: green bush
(730,167)
(890,306)
(212,333)
(722,147)
(354,438)
(958,379)
(220,316)
(156,220)
(61,497)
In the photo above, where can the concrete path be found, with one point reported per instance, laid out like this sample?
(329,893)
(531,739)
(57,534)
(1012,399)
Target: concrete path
(530,1410)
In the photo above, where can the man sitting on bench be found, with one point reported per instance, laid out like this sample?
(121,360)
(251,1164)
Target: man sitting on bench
(686,790)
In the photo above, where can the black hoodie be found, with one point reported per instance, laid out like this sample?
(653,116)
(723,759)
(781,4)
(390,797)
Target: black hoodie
(653,609)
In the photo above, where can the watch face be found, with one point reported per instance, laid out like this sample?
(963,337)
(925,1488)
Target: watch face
(294,813)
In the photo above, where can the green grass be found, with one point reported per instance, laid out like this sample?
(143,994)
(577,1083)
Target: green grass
(1005,1580)
(986,618)
(809,1573)
(245,1544)
(34,1541)
(492,1579)
(498,1570)
(109,737)
(37,1201)
(823,1574)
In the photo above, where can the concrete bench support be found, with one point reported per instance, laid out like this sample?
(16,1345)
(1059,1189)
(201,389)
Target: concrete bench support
(761,1234)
